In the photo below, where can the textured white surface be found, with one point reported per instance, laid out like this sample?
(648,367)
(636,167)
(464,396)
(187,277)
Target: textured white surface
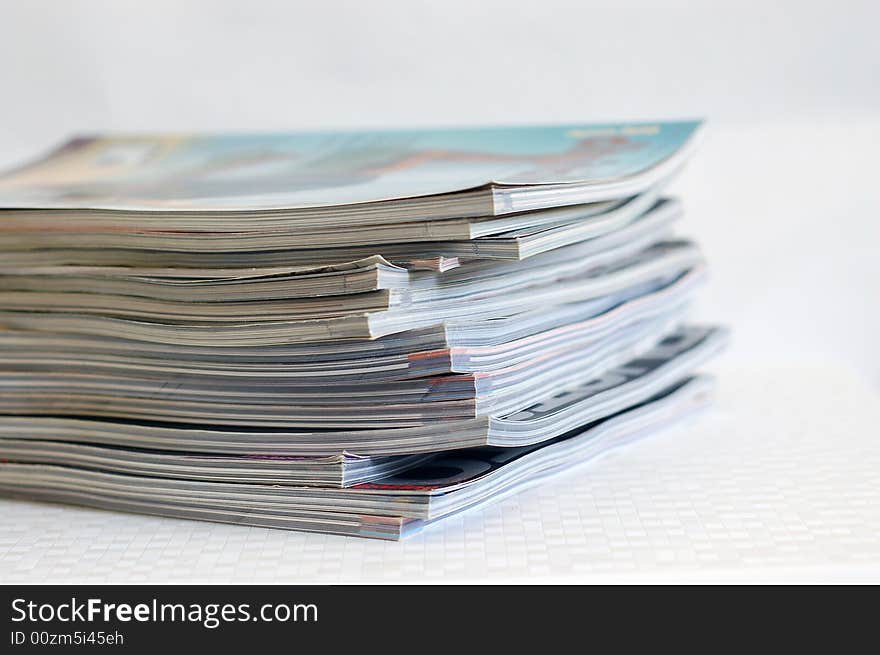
(780,481)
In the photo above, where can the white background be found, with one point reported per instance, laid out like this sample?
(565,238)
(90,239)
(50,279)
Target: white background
(220,64)
(784,197)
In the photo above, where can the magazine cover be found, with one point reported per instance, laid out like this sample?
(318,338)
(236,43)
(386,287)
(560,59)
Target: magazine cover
(298,170)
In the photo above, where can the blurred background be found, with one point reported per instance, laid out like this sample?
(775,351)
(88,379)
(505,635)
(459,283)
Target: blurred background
(783,196)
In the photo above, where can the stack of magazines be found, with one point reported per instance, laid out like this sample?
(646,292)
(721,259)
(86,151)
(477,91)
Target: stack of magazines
(348,332)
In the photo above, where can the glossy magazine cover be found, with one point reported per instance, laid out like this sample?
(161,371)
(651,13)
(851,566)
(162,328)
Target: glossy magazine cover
(314,169)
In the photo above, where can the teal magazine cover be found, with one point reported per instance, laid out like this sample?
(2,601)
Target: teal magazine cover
(313,169)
